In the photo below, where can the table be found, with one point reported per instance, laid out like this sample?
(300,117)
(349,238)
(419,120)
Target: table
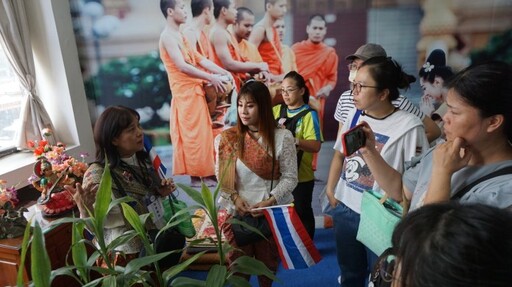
(57,240)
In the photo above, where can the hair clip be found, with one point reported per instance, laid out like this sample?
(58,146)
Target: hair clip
(428,67)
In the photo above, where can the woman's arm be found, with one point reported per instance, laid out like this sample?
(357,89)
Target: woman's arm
(334,175)
(387,177)
(288,167)
(448,158)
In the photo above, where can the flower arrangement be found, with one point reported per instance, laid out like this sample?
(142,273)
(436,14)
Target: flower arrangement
(8,197)
(53,169)
(12,221)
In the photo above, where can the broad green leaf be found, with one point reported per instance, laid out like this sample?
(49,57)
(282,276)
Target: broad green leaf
(216,276)
(238,281)
(251,266)
(103,199)
(109,281)
(136,264)
(176,269)
(40,262)
(133,218)
(192,193)
(121,240)
(208,199)
(187,282)
(24,248)
(78,250)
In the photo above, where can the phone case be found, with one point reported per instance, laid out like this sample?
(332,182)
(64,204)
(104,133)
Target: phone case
(353,139)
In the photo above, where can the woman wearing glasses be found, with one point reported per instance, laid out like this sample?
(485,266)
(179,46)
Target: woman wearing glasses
(471,166)
(298,117)
(398,136)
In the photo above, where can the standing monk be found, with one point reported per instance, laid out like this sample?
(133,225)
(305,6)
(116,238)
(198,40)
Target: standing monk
(190,125)
(195,31)
(317,62)
(225,46)
(265,37)
(242,30)
(287,54)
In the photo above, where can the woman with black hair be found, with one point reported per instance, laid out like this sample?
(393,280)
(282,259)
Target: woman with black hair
(298,117)
(474,165)
(449,245)
(399,136)
(257,167)
(120,139)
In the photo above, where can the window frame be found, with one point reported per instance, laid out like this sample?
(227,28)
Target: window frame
(59,84)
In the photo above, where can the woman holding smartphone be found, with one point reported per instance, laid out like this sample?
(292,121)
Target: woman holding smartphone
(398,137)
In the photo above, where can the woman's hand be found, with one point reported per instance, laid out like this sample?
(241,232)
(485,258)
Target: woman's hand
(241,206)
(333,202)
(369,145)
(167,186)
(84,198)
(265,203)
(451,156)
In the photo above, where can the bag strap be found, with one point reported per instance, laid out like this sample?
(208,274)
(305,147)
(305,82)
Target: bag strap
(459,194)
(355,118)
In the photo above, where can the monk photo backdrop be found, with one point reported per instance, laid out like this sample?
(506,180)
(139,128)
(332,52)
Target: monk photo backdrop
(118,44)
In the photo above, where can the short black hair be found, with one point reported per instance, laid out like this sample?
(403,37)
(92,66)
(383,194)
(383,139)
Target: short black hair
(241,11)
(218,5)
(166,4)
(197,6)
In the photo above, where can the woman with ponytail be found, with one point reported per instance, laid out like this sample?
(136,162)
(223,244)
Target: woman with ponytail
(398,136)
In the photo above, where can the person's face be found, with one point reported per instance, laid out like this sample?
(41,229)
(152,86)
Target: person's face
(316,31)
(292,95)
(179,13)
(280,28)
(243,29)
(353,67)
(230,13)
(131,139)
(248,112)
(433,90)
(366,96)
(277,10)
(462,120)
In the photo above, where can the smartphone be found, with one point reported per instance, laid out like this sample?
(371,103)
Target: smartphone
(353,139)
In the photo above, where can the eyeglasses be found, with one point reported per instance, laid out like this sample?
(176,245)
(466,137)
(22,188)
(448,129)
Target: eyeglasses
(382,274)
(288,91)
(356,87)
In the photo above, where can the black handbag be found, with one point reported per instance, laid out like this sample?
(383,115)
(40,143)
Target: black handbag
(245,236)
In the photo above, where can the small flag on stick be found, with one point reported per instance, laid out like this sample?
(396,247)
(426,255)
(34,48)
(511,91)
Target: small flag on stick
(155,159)
(296,248)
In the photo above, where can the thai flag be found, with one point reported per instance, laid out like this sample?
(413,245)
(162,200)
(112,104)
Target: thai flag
(155,159)
(296,249)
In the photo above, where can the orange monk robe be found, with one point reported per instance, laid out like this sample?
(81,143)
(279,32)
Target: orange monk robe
(271,53)
(289,61)
(249,52)
(190,124)
(203,45)
(318,64)
(234,51)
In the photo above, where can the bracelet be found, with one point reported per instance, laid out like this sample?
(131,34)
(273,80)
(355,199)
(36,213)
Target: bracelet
(232,195)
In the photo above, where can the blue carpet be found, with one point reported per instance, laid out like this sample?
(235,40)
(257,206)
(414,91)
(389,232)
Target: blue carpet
(324,274)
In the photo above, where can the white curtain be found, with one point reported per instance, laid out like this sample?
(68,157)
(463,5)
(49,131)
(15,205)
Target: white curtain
(15,40)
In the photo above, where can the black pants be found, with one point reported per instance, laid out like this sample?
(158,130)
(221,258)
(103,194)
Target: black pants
(303,195)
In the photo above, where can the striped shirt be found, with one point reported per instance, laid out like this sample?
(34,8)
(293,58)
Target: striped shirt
(346,102)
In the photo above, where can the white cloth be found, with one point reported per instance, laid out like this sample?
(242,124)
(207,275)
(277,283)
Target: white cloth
(255,189)
(398,137)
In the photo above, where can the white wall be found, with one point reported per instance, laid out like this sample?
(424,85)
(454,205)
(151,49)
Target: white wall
(59,83)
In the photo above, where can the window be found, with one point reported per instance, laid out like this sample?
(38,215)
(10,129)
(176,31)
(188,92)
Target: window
(10,105)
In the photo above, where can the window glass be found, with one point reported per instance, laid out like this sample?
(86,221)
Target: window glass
(10,103)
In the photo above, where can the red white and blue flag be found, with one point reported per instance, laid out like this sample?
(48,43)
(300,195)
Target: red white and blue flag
(155,159)
(296,248)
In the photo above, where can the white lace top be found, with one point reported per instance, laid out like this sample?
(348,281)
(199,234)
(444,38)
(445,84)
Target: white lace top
(255,189)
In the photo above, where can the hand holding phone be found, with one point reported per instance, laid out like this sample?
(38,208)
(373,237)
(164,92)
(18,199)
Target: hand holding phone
(353,139)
